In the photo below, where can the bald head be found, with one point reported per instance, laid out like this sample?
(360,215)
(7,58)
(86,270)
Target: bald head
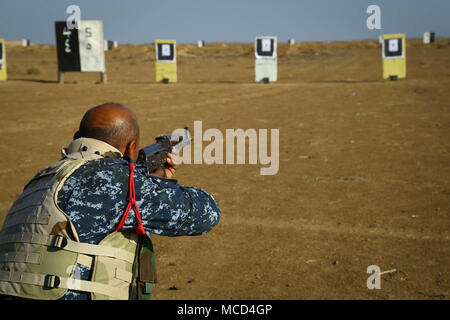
(111,123)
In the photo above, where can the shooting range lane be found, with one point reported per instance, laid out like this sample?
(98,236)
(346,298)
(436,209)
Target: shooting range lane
(363,176)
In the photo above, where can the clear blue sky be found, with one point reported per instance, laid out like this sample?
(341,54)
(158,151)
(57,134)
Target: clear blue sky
(142,21)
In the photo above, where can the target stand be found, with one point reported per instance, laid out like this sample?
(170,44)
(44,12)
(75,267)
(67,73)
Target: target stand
(428,37)
(266,63)
(393,53)
(80,49)
(3,73)
(166,61)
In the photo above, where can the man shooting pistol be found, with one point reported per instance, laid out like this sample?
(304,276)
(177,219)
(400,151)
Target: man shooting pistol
(81,228)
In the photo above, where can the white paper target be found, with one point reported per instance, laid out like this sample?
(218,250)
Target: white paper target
(393,45)
(91,44)
(265,45)
(165,50)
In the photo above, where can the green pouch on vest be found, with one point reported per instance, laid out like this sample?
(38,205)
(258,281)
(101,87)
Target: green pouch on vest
(145,270)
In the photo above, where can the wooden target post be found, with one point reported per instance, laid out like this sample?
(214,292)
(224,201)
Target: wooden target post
(394,56)
(80,49)
(3,73)
(266,59)
(166,61)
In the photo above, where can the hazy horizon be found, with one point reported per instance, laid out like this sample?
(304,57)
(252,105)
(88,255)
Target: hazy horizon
(232,21)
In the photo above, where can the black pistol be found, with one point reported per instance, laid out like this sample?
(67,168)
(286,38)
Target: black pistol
(154,156)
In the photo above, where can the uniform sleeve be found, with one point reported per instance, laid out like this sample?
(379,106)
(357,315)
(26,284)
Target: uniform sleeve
(171,209)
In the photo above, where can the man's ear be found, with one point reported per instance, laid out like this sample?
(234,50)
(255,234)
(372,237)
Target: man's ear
(131,150)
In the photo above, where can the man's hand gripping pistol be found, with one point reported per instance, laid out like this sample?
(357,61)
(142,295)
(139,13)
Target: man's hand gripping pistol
(154,156)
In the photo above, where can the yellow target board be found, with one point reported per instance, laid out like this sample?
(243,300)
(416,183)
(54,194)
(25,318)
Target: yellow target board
(166,61)
(3,74)
(394,56)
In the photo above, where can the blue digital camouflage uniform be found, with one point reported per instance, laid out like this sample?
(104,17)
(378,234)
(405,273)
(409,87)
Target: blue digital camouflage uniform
(95,197)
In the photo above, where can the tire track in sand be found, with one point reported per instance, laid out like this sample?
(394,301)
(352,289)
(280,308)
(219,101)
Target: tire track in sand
(343,230)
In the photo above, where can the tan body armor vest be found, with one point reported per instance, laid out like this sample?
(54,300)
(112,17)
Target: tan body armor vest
(39,246)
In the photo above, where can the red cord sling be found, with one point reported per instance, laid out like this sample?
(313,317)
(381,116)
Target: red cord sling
(132,202)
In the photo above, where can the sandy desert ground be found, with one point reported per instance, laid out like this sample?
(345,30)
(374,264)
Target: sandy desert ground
(364,163)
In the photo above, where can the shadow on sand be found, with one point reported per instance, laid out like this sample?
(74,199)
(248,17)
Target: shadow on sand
(33,80)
